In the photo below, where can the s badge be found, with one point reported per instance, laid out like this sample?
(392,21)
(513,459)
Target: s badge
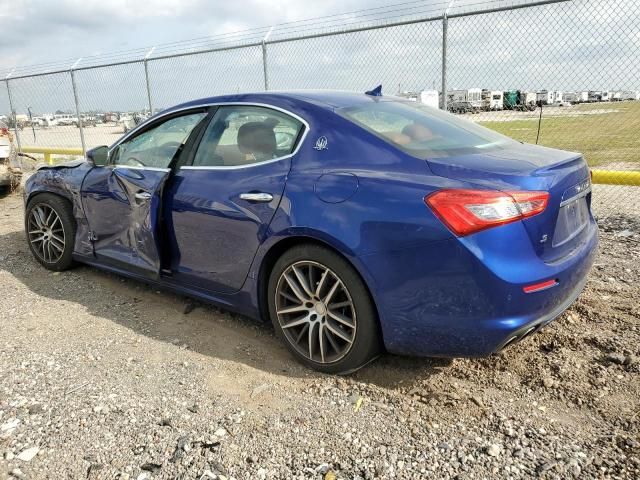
(321,143)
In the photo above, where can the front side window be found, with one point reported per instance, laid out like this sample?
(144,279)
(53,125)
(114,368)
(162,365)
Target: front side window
(423,131)
(157,146)
(244,134)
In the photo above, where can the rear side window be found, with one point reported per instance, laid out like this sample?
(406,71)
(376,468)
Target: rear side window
(423,131)
(244,135)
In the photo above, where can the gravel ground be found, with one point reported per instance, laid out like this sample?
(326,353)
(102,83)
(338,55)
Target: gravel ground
(102,377)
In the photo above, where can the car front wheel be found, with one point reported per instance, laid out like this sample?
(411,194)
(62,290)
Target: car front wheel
(322,309)
(50,229)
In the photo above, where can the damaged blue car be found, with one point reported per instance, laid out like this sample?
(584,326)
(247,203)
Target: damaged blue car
(355,223)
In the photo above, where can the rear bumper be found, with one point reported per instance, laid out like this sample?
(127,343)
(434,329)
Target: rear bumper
(459,298)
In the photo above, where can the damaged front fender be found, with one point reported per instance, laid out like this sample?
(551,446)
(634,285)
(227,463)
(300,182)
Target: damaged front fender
(64,180)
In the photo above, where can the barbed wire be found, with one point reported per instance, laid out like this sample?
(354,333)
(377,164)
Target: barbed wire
(317,25)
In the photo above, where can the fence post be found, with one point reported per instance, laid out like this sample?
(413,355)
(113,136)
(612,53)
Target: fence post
(146,77)
(75,99)
(445,23)
(264,59)
(13,113)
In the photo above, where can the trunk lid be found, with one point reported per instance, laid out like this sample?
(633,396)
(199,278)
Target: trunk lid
(562,227)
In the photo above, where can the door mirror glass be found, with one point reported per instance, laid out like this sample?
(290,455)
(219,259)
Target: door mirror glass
(98,156)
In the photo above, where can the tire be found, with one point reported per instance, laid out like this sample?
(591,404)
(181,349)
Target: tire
(44,232)
(343,338)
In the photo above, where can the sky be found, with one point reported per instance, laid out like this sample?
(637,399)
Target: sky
(582,44)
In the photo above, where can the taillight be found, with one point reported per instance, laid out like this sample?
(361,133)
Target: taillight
(470,211)
(4,131)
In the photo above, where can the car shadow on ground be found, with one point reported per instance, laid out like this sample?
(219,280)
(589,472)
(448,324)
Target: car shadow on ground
(206,329)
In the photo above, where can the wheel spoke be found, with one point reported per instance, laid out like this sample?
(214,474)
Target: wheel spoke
(310,340)
(333,343)
(321,282)
(334,306)
(288,297)
(55,221)
(294,309)
(57,238)
(329,296)
(295,323)
(303,330)
(341,318)
(36,216)
(294,288)
(51,213)
(338,333)
(57,247)
(302,281)
(39,239)
(321,341)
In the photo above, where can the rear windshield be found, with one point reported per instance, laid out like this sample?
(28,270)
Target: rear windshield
(423,131)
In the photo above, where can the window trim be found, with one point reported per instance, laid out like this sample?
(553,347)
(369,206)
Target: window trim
(143,127)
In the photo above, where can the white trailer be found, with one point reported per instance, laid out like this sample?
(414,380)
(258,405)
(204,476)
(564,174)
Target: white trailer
(557,96)
(630,95)
(545,96)
(497,100)
(595,96)
(606,96)
(430,97)
(471,95)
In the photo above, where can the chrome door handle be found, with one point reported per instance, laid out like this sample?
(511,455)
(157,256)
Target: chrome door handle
(256,197)
(142,196)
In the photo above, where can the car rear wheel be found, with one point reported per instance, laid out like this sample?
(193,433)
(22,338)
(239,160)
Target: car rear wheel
(51,231)
(321,308)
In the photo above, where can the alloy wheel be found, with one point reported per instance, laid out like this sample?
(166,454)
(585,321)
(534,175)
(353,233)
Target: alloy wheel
(315,311)
(46,233)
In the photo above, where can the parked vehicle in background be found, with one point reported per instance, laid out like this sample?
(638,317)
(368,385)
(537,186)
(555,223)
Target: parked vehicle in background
(430,97)
(549,97)
(5,141)
(595,96)
(492,100)
(461,107)
(9,174)
(66,119)
(582,96)
(471,95)
(630,95)
(510,99)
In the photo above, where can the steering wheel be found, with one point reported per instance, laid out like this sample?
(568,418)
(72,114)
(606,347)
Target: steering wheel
(134,162)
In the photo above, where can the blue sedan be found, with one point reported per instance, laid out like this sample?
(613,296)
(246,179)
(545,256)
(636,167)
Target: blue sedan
(355,223)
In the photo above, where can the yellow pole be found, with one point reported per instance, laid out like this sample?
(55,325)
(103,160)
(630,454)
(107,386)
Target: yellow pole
(616,177)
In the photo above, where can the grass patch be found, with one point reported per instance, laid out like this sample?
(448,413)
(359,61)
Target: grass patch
(603,138)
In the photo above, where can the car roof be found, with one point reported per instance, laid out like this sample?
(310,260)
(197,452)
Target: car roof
(329,99)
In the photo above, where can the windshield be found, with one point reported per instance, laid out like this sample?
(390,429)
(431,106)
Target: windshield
(423,131)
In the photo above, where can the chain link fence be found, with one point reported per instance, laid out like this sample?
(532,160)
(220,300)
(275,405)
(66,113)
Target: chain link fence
(563,74)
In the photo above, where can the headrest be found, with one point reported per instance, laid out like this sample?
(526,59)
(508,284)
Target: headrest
(257,137)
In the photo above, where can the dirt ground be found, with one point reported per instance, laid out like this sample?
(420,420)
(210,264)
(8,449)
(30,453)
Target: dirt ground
(102,377)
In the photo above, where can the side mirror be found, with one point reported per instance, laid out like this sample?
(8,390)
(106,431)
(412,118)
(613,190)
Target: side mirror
(98,156)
